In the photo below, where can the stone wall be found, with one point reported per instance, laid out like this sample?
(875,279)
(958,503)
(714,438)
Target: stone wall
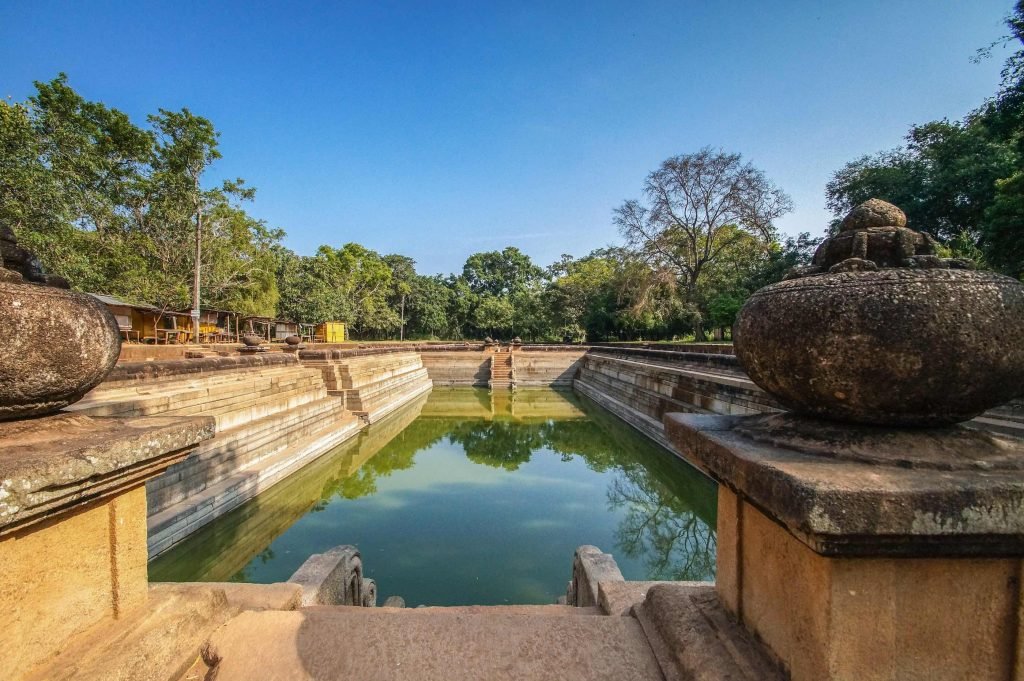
(467,366)
(273,416)
(704,348)
(640,386)
(541,366)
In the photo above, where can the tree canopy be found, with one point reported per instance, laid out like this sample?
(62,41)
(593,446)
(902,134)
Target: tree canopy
(960,181)
(114,207)
(699,210)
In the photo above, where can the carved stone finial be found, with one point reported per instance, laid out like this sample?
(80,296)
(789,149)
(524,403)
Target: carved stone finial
(58,344)
(874,236)
(873,213)
(881,330)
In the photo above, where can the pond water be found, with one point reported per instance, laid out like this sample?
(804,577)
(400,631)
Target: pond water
(472,497)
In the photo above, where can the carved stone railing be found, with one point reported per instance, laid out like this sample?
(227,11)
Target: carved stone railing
(335,577)
(590,567)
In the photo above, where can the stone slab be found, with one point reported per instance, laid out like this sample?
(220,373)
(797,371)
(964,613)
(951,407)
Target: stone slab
(847,507)
(239,595)
(694,638)
(619,598)
(156,643)
(374,644)
(55,462)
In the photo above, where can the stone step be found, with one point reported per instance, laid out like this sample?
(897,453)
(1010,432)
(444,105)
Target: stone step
(384,403)
(188,397)
(367,398)
(546,610)
(240,411)
(1002,426)
(236,408)
(172,524)
(238,447)
(397,644)
(148,386)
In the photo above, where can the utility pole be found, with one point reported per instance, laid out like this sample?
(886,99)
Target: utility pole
(199,254)
(401,333)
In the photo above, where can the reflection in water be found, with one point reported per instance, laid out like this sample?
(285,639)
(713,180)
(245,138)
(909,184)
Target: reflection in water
(468,496)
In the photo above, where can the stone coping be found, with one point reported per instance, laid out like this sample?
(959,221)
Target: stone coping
(706,348)
(328,354)
(154,369)
(857,508)
(51,464)
(722,361)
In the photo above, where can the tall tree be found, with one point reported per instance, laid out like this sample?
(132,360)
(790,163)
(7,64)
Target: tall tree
(695,208)
(962,181)
(186,147)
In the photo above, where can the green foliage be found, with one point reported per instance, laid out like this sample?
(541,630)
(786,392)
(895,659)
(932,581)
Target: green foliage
(700,211)
(961,181)
(494,315)
(500,273)
(114,207)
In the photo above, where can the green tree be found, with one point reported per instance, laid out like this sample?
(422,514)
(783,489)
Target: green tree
(500,273)
(494,315)
(109,206)
(696,207)
(427,308)
(961,181)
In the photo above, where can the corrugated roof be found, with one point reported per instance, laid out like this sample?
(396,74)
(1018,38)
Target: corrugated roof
(111,300)
(116,302)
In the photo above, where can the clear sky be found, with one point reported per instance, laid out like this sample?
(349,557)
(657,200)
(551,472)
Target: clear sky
(439,129)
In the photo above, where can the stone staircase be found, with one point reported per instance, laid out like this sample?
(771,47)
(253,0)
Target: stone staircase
(372,384)
(499,642)
(502,370)
(271,419)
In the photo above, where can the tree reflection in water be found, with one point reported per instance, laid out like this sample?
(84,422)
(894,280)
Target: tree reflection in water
(669,507)
(664,510)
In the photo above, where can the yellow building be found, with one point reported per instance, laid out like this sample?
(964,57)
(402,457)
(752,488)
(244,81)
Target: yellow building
(141,323)
(330,332)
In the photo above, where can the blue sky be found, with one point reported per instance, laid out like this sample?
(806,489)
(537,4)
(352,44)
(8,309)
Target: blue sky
(438,130)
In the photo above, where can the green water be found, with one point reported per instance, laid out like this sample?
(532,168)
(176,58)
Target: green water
(468,497)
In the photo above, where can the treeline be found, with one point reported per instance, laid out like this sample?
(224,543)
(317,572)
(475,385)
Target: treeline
(114,207)
(962,181)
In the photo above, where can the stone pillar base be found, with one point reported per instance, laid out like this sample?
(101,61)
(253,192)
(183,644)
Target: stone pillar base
(868,619)
(868,554)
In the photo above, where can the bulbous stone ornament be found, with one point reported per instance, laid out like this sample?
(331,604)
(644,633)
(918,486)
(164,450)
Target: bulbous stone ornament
(880,330)
(57,344)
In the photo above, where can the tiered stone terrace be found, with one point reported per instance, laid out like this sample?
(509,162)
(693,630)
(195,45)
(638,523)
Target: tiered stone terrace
(272,417)
(275,412)
(373,384)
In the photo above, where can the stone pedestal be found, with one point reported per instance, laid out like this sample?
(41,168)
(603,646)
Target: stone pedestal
(73,524)
(859,553)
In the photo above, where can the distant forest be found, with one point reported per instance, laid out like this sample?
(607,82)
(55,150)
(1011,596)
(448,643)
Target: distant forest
(114,206)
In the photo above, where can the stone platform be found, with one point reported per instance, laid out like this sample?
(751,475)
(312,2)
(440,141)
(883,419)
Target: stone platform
(372,383)
(272,416)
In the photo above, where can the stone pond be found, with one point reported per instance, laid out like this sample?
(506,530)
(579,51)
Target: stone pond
(193,516)
(469,497)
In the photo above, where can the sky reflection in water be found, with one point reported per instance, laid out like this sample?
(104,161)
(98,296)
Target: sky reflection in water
(465,497)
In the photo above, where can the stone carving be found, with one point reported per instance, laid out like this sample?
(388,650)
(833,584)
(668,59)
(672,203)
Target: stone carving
(57,345)
(16,259)
(875,235)
(880,330)
(335,577)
